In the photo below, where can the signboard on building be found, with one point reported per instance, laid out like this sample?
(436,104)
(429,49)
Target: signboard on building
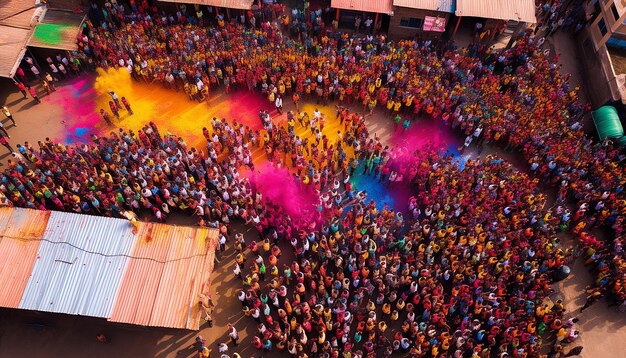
(435,24)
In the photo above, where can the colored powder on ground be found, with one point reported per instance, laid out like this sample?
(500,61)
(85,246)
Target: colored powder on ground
(173,111)
(77,99)
(423,136)
(459,157)
(51,34)
(375,190)
(243,107)
(82,99)
(279,187)
(81,131)
(383,193)
(423,133)
(330,130)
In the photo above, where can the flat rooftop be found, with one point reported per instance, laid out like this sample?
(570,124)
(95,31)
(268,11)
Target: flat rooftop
(618,58)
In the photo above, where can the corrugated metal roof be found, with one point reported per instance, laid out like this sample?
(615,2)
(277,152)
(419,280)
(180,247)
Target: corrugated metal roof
(231,4)
(380,6)
(436,5)
(170,267)
(82,265)
(20,13)
(12,48)
(519,10)
(19,243)
(17,23)
(58,30)
(5,216)
(79,266)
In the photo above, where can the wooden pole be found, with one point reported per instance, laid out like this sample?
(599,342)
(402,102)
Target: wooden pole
(493,30)
(375,22)
(337,15)
(456,27)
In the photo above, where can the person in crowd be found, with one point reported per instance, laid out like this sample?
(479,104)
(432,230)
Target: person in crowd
(8,115)
(33,93)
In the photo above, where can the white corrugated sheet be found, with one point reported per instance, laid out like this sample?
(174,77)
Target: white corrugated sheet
(435,5)
(379,6)
(79,265)
(230,4)
(518,10)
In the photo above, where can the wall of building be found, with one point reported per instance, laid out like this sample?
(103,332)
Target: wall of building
(597,65)
(609,20)
(397,31)
(68,4)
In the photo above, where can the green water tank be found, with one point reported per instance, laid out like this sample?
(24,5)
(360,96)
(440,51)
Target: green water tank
(607,122)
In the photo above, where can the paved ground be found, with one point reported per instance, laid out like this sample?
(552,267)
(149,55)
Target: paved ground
(69,115)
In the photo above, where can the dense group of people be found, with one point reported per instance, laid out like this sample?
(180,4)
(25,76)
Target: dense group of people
(515,98)
(465,268)
(459,277)
(465,273)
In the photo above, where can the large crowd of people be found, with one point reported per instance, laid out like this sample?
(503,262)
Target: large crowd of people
(515,98)
(464,269)
(463,274)
(460,277)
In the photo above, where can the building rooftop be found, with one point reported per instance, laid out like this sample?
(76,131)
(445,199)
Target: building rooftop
(618,58)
